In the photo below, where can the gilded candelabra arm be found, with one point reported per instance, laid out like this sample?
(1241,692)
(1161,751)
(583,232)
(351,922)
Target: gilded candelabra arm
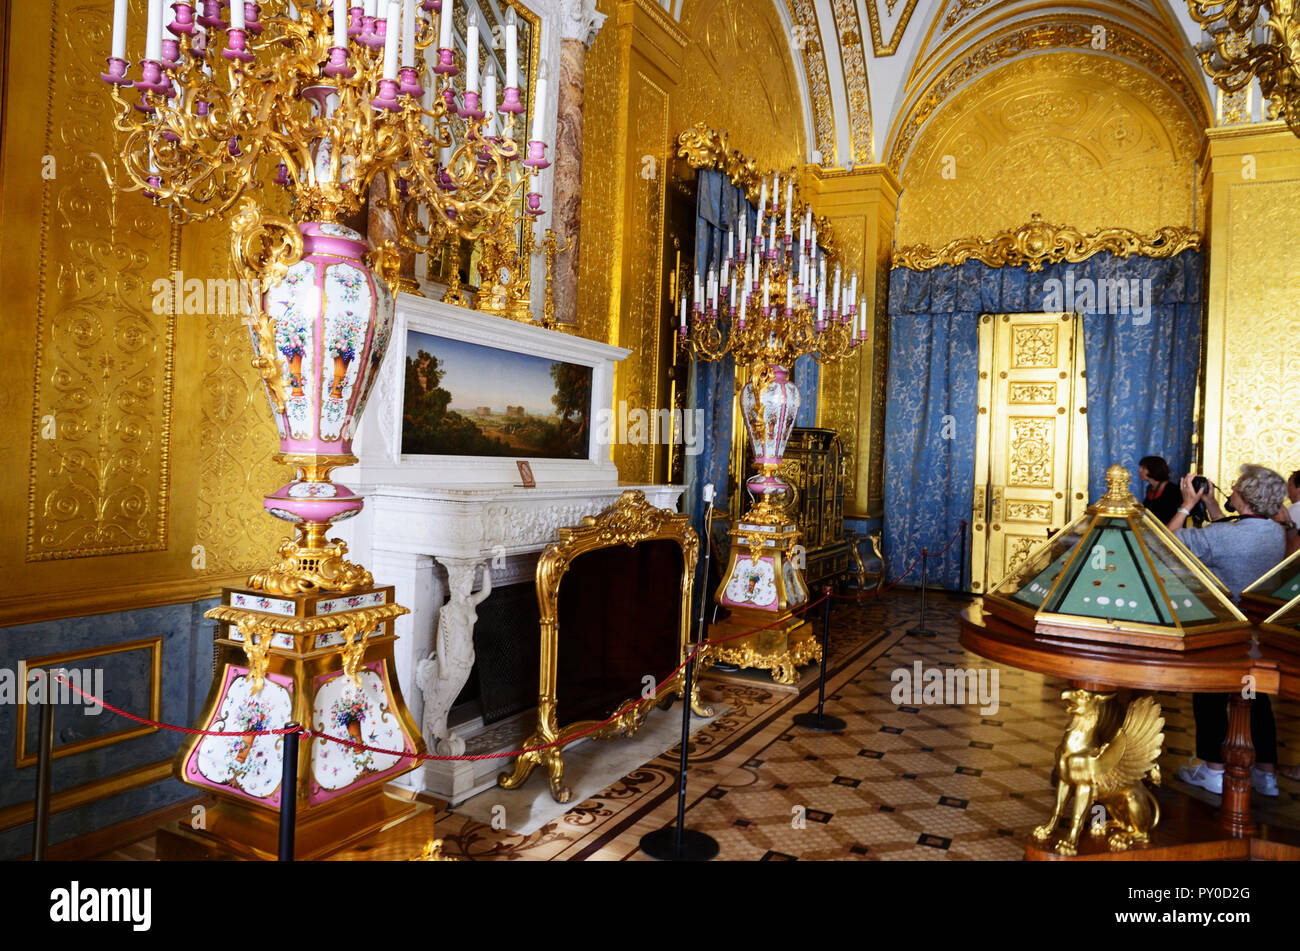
(386,260)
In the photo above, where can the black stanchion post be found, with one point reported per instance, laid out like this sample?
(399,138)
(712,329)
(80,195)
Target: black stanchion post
(44,765)
(819,721)
(289,793)
(921,630)
(678,843)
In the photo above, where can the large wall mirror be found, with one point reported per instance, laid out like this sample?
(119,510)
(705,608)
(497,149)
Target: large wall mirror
(490,16)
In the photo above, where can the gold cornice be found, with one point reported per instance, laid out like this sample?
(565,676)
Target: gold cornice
(1247,130)
(1042,34)
(703,147)
(1038,242)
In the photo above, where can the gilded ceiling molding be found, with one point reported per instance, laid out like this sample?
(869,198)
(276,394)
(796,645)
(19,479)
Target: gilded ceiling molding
(878,44)
(703,147)
(1038,242)
(1040,35)
(808,39)
(854,62)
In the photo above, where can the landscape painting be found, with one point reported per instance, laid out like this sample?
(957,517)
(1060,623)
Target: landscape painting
(466,399)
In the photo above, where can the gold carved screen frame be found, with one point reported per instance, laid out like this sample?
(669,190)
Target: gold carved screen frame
(629,521)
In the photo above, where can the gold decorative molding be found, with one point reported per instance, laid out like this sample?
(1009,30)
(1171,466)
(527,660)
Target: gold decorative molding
(880,47)
(1038,242)
(804,15)
(854,64)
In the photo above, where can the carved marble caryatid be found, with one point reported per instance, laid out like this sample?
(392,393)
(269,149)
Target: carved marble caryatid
(443,673)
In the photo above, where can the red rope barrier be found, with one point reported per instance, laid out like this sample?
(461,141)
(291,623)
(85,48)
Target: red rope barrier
(405,754)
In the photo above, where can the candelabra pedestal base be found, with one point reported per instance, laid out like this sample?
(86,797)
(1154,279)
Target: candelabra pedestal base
(761,588)
(324,660)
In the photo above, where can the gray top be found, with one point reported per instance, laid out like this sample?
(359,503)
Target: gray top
(1238,553)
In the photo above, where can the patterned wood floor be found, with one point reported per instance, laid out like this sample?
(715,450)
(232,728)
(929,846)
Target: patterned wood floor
(922,781)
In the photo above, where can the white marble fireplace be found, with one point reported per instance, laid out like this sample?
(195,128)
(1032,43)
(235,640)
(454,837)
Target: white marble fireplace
(470,516)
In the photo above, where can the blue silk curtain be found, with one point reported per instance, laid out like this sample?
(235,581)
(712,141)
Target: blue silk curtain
(1141,385)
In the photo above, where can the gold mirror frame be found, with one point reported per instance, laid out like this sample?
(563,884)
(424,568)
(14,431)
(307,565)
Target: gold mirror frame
(629,521)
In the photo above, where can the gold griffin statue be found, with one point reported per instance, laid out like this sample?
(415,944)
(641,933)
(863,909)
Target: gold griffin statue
(1104,764)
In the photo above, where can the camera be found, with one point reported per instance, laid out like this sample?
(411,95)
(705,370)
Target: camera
(1200,483)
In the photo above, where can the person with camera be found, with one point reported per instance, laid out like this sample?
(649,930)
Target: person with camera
(1237,551)
(1162,498)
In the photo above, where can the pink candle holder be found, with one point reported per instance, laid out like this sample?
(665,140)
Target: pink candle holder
(116,72)
(536,155)
(373,31)
(153,79)
(387,98)
(446,63)
(143,104)
(201,108)
(510,101)
(431,6)
(235,49)
(338,63)
(212,15)
(154,182)
(821,326)
(470,110)
(171,53)
(409,84)
(355,27)
(233,146)
(282,174)
(183,24)
(534,206)
(251,22)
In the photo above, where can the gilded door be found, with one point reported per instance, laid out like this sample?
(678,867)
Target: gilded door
(1031,449)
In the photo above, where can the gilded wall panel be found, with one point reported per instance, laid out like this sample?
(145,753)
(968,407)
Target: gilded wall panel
(741,79)
(638,377)
(1261,371)
(840,381)
(1078,138)
(98,480)
(601,178)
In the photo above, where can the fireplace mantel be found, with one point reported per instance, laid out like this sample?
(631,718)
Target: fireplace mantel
(469,516)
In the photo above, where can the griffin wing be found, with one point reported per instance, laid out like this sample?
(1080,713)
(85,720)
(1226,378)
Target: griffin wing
(1140,740)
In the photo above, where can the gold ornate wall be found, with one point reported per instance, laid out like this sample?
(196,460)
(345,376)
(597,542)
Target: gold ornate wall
(1252,375)
(1092,141)
(136,448)
(741,79)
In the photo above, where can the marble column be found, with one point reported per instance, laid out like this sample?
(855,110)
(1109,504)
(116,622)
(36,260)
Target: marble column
(579,25)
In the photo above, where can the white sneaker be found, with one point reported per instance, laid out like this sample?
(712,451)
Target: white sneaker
(1265,783)
(1204,777)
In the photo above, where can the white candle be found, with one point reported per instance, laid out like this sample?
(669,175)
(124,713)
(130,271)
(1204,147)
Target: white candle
(835,294)
(237,15)
(408,33)
(789,295)
(444,25)
(789,197)
(539,104)
(698,296)
(862,317)
(807,223)
(368,8)
(490,100)
(766,291)
(293,11)
(771,241)
(749,279)
(744,220)
(512,49)
(341,24)
(471,52)
(762,201)
(683,312)
(119,29)
(708,493)
(153,31)
(853,287)
(733,296)
(390,39)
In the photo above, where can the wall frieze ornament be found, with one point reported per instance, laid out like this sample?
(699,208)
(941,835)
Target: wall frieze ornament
(1038,35)
(804,15)
(1038,242)
(703,147)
